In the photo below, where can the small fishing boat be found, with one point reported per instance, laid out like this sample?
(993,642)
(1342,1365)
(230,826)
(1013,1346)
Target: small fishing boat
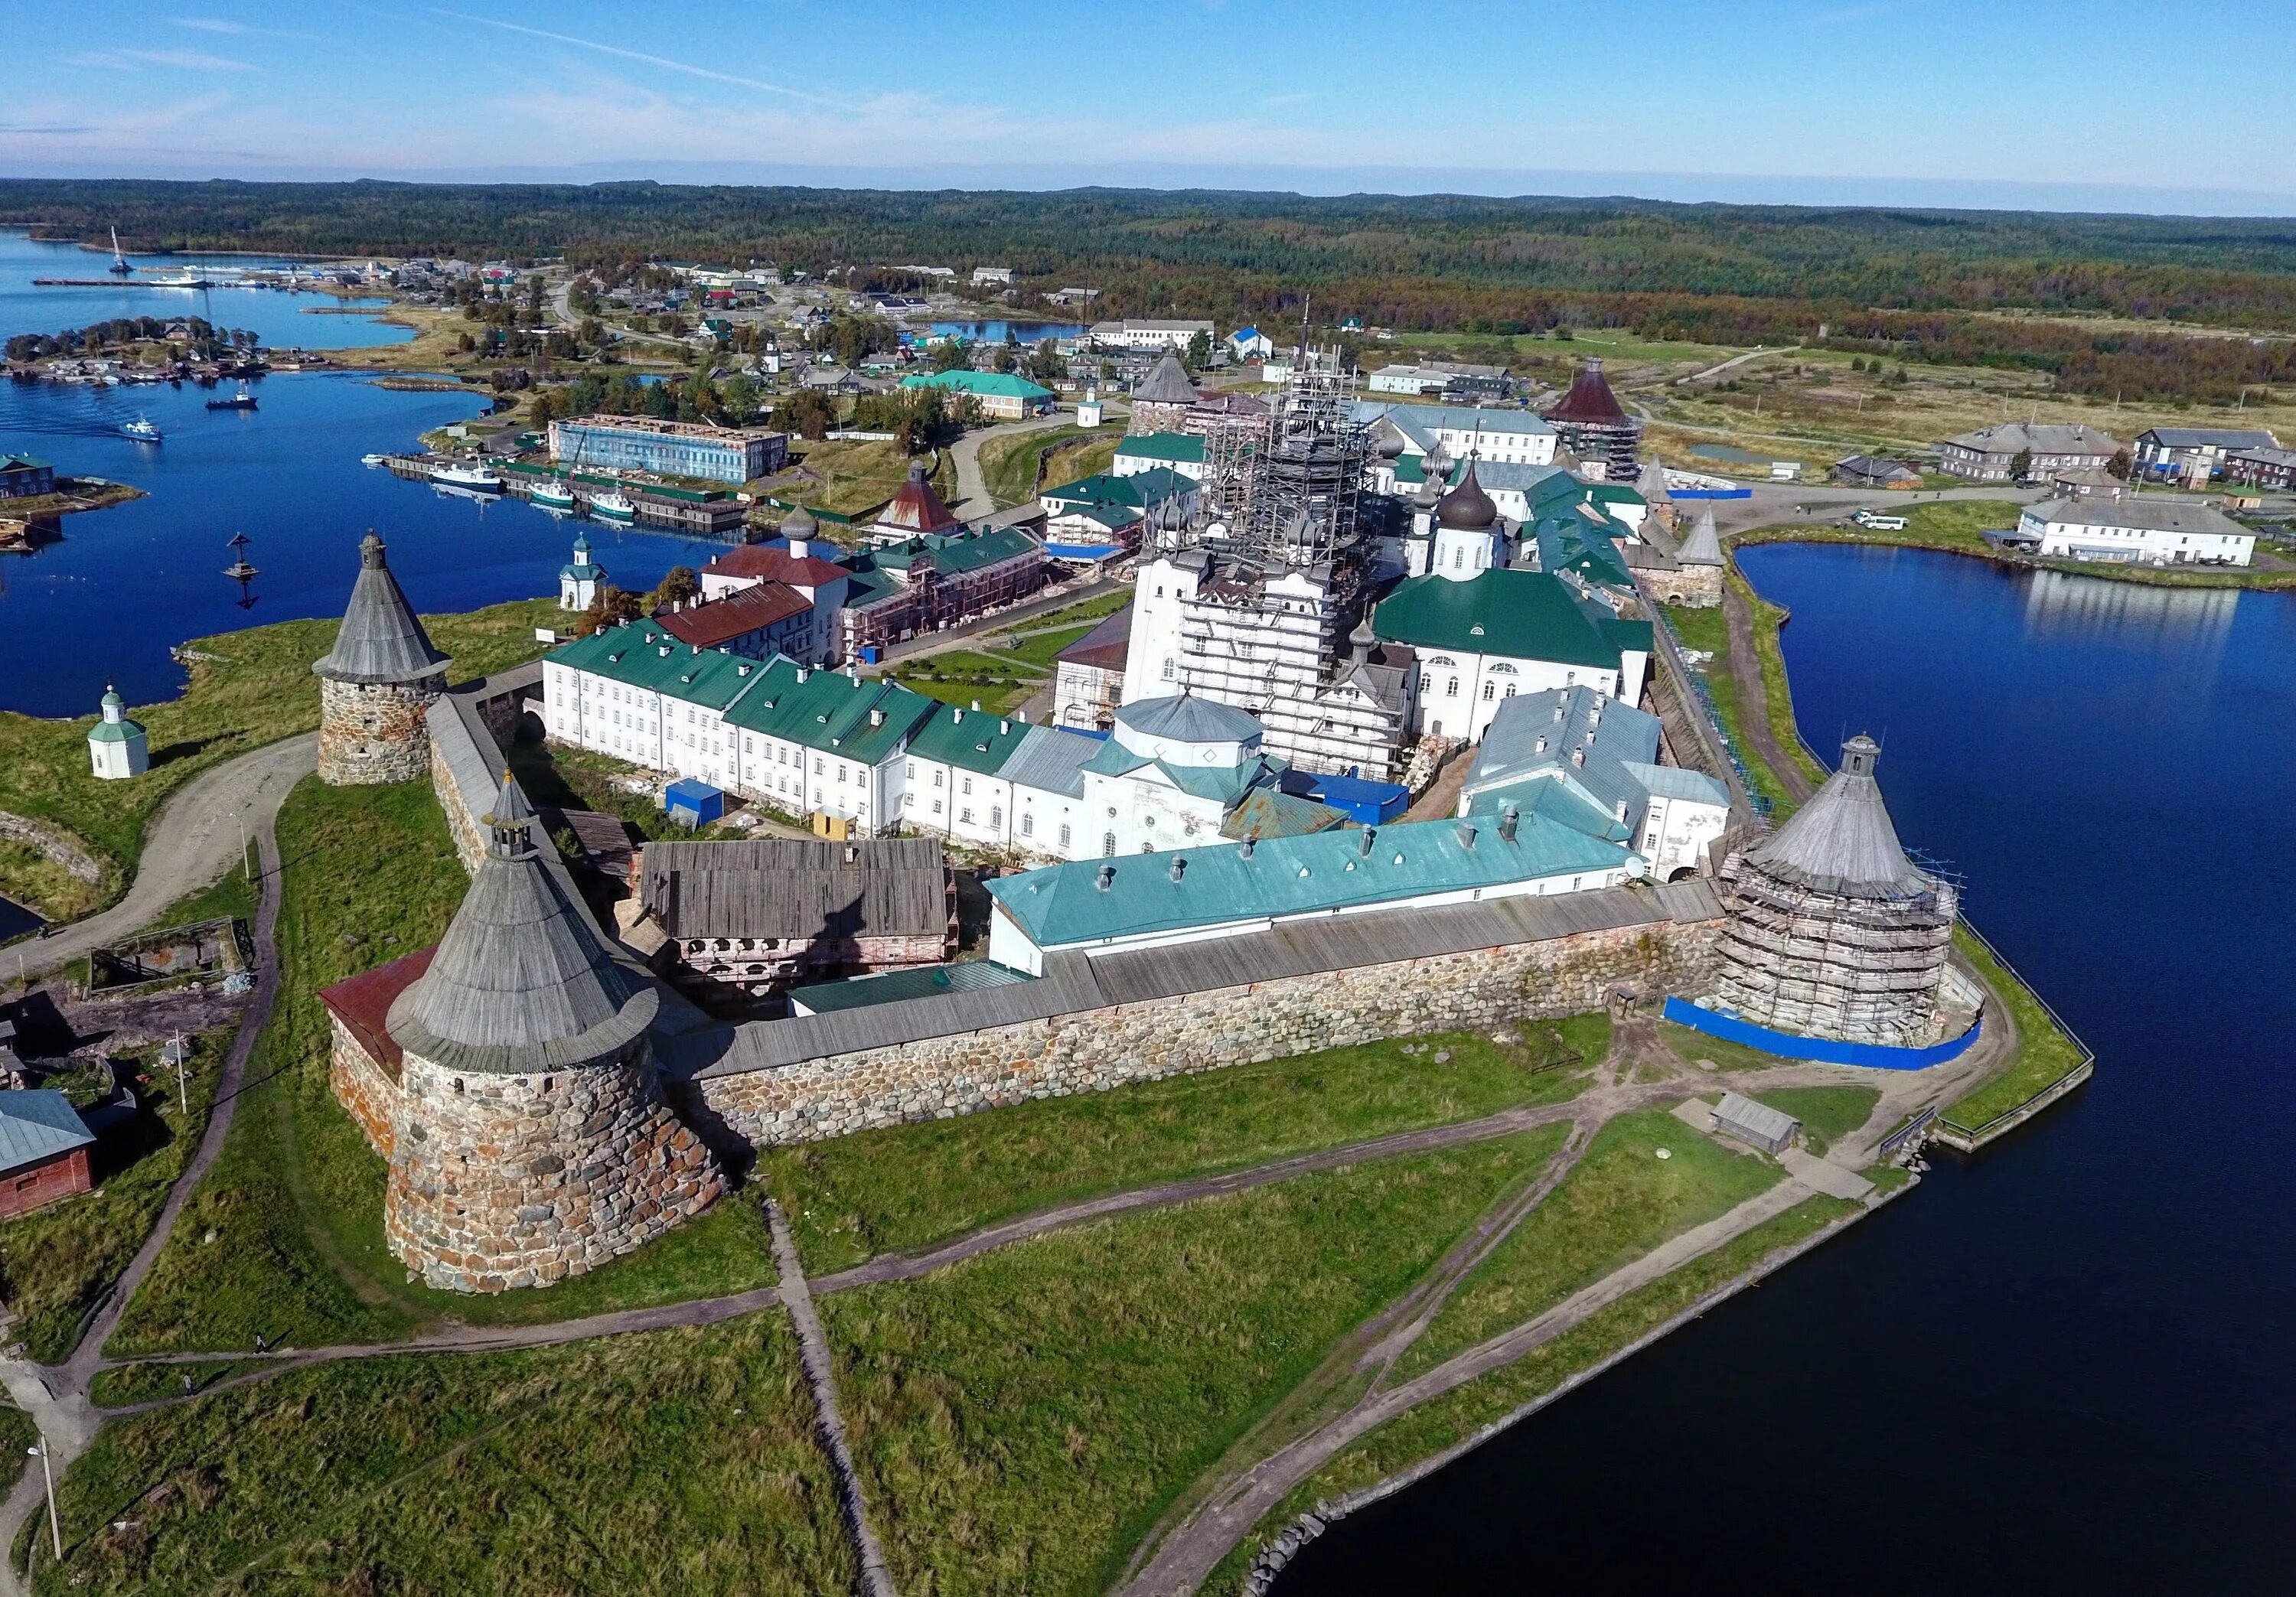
(374,460)
(613,507)
(143,430)
(473,478)
(242,400)
(552,495)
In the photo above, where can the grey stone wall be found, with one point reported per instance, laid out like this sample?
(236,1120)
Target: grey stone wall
(499,1182)
(1094,1050)
(1700,587)
(374,733)
(470,843)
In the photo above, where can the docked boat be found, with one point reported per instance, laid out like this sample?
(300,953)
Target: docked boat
(181,280)
(552,495)
(119,266)
(473,478)
(613,507)
(242,400)
(374,460)
(143,430)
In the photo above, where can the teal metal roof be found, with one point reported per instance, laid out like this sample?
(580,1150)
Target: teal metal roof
(1001,385)
(1570,543)
(1163,445)
(33,463)
(1523,615)
(830,712)
(972,739)
(1064,905)
(37,1126)
(1272,812)
(895,986)
(1227,784)
(642,655)
(951,554)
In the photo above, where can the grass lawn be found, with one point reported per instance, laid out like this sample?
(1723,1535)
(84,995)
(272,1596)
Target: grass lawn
(17,1433)
(1019,1420)
(1080,458)
(861,475)
(963,676)
(252,688)
(296,1201)
(1458,1414)
(1039,647)
(2045,1054)
(56,1262)
(672,1461)
(1827,1114)
(908,1185)
(1619,1203)
(575,778)
(1009,464)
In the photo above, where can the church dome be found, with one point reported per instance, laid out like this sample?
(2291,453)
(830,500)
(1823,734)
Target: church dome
(1467,508)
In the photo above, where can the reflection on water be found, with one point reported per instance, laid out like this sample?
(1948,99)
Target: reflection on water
(15,919)
(2130,615)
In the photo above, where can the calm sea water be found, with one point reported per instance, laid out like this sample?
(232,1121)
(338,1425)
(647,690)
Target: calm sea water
(2060,1365)
(281,319)
(126,585)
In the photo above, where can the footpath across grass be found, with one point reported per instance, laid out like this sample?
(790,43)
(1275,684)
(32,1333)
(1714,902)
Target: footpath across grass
(1621,1202)
(672,1461)
(1456,1415)
(1021,1418)
(906,1186)
(56,1263)
(294,1206)
(247,689)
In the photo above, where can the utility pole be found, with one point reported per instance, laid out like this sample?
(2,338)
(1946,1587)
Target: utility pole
(183,1093)
(47,1472)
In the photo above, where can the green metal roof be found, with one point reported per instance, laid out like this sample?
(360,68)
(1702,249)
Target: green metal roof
(642,655)
(954,552)
(23,462)
(1001,385)
(1523,615)
(972,739)
(114,732)
(894,987)
(1325,872)
(1163,445)
(1570,543)
(1227,785)
(830,712)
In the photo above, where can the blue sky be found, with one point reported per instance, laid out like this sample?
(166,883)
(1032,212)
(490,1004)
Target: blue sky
(1945,101)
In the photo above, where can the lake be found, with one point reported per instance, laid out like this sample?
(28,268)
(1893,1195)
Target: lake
(2059,1366)
(280,319)
(108,601)
(994,332)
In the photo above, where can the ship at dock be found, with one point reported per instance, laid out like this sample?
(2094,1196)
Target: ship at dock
(470,478)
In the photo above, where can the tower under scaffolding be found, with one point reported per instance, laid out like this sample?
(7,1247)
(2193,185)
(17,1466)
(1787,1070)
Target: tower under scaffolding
(1306,484)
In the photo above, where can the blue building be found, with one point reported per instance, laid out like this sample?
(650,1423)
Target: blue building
(734,455)
(23,477)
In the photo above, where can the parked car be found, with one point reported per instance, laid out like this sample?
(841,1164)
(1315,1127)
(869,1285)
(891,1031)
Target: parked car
(1873,523)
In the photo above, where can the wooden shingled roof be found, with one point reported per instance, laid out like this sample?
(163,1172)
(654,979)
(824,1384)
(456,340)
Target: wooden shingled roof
(789,888)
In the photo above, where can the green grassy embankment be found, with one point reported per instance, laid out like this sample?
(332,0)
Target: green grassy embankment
(2045,1054)
(1451,1418)
(1009,465)
(247,689)
(1021,1420)
(1618,1203)
(295,1202)
(906,1186)
(680,1460)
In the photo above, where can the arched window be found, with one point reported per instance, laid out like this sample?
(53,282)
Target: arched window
(997,816)
(1453,691)
(1491,691)
(1108,846)
(1028,826)
(1167,667)
(1064,834)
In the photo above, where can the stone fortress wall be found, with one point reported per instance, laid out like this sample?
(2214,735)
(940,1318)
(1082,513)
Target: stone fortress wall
(373,732)
(499,1182)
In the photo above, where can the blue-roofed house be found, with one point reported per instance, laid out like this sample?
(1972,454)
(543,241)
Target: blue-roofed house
(1190,894)
(1250,344)
(1591,762)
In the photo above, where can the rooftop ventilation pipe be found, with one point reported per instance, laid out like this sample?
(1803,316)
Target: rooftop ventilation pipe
(1249,839)
(1107,878)
(1466,836)
(1370,835)
(1507,822)
(1578,757)
(1179,866)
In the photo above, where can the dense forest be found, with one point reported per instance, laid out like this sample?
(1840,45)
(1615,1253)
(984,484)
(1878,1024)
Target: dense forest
(1917,285)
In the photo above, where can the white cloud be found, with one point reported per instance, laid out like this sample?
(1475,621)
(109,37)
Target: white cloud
(211,24)
(133,61)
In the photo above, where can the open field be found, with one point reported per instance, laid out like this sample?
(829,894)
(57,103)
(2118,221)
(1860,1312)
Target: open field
(247,689)
(296,1200)
(672,1461)
(853,477)
(1621,1202)
(908,1185)
(1021,1418)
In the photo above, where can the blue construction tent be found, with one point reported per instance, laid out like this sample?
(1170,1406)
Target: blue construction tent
(692,802)
(1365,802)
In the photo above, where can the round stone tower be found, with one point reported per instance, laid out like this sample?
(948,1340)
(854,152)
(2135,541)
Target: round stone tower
(529,1140)
(376,683)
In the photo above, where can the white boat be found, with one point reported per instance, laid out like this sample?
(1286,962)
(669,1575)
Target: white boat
(613,507)
(373,460)
(142,430)
(180,279)
(552,495)
(456,475)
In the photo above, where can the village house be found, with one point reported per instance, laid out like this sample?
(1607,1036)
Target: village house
(2135,529)
(1990,454)
(2193,455)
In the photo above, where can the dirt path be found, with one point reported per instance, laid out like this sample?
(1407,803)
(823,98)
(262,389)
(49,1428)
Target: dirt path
(1753,703)
(192,842)
(58,1395)
(972,495)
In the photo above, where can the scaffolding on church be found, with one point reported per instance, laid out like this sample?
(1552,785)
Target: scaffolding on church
(1307,485)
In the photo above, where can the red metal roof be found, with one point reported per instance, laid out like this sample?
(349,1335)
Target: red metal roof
(916,508)
(1590,399)
(770,562)
(736,615)
(362,1003)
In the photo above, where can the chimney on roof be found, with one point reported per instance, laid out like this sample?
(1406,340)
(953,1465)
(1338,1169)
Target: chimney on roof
(1249,839)
(1507,822)
(852,853)
(1179,866)
(955,714)
(1107,878)
(1004,728)
(802,672)
(976,707)
(1578,757)
(1558,710)
(1466,835)
(1619,809)
(1370,837)
(1541,748)
(854,671)
(876,718)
